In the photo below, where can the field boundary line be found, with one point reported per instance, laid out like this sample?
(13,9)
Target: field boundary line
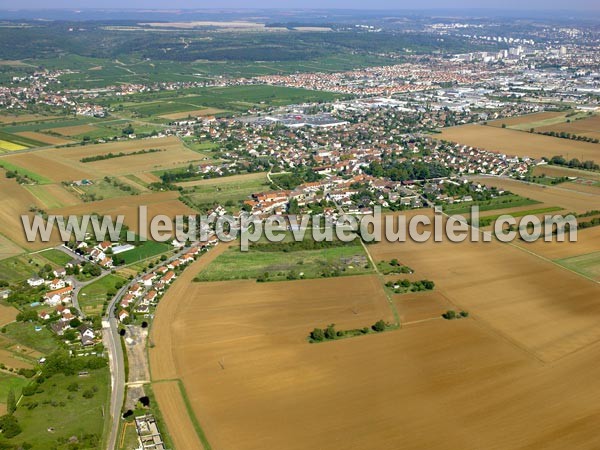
(194,419)
(382,285)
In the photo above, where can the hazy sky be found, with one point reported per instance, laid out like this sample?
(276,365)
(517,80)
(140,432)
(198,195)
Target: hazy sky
(342,4)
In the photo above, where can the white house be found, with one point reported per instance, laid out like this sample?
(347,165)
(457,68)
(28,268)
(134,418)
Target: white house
(58,296)
(35,282)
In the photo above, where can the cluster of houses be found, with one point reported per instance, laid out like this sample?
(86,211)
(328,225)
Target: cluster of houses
(87,335)
(146,292)
(339,190)
(60,289)
(98,253)
(58,313)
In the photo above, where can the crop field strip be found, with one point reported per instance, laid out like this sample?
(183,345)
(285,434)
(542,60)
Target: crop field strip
(65,164)
(570,200)
(518,143)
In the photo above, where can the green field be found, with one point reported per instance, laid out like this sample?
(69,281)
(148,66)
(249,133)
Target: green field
(92,296)
(222,191)
(102,190)
(588,265)
(562,118)
(233,98)
(29,174)
(235,264)
(19,268)
(144,251)
(98,72)
(11,142)
(8,382)
(56,256)
(67,121)
(501,202)
(48,199)
(68,413)
(44,341)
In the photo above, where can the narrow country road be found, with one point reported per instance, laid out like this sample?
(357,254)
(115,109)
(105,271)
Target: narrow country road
(112,342)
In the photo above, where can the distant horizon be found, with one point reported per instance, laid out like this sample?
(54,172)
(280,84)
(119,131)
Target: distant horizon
(534,6)
(273,8)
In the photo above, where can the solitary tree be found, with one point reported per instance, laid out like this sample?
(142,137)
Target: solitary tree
(11,402)
(379,326)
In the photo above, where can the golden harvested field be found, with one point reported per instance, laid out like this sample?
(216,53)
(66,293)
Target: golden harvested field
(44,163)
(588,241)
(147,177)
(224,180)
(157,203)
(589,187)
(133,184)
(20,118)
(255,383)
(570,200)
(14,201)
(53,195)
(8,314)
(519,143)
(74,130)
(8,248)
(541,307)
(558,171)
(178,421)
(65,164)
(589,127)
(420,306)
(525,119)
(195,113)
(10,360)
(252,313)
(42,137)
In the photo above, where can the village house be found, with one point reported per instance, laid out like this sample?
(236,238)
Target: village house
(136,290)
(57,283)
(147,279)
(59,327)
(107,263)
(35,282)
(174,264)
(87,335)
(187,258)
(58,296)
(97,255)
(142,309)
(127,300)
(168,277)
(150,297)
(59,273)
(104,245)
